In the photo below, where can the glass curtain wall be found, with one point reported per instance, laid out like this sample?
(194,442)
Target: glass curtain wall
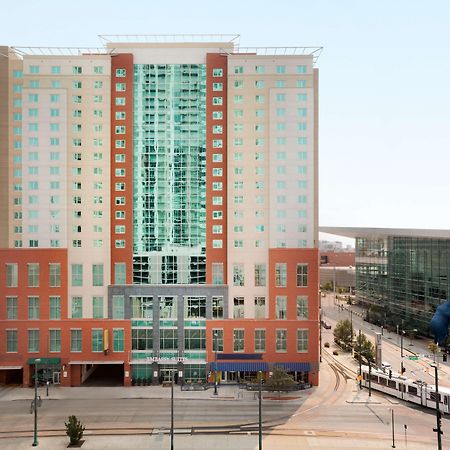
(170,174)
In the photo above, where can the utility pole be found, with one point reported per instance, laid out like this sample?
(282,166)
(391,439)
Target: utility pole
(438,412)
(171,411)
(359,359)
(370,379)
(35,439)
(393,435)
(260,410)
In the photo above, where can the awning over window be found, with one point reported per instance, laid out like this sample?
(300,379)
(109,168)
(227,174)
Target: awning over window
(239,366)
(294,366)
(45,361)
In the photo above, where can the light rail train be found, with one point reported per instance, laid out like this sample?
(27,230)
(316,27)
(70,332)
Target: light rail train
(414,391)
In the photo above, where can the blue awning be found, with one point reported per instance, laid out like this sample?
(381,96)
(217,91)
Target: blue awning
(294,366)
(239,366)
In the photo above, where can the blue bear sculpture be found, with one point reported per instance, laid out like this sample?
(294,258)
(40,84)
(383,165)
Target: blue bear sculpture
(440,322)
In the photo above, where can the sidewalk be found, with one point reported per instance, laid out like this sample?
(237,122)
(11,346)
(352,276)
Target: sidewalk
(56,392)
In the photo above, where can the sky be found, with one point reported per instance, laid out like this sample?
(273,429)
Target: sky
(384,127)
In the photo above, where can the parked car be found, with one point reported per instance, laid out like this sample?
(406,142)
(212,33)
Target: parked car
(326,325)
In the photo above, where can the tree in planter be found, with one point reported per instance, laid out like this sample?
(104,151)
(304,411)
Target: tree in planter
(367,349)
(434,348)
(74,429)
(279,381)
(343,334)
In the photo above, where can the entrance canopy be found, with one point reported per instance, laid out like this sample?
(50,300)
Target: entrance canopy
(240,366)
(45,361)
(294,366)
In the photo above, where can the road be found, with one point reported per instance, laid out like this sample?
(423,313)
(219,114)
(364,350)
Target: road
(391,349)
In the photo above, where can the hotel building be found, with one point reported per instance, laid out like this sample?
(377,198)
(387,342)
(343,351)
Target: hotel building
(160,211)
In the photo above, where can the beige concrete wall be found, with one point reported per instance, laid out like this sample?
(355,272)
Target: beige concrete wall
(4,144)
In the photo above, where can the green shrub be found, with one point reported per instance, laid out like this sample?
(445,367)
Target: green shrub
(74,429)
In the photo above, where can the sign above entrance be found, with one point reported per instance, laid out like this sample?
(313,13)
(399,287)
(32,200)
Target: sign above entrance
(163,359)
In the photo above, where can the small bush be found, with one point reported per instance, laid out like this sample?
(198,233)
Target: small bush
(327,344)
(74,429)
(335,352)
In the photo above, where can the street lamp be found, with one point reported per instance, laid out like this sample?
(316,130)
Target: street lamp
(260,410)
(36,361)
(171,410)
(438,429)
(215,362)
(401,344)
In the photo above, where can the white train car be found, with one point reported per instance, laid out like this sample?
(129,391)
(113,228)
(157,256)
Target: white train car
(394,384)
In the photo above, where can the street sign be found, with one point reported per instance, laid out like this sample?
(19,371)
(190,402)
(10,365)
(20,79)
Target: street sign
(413,358)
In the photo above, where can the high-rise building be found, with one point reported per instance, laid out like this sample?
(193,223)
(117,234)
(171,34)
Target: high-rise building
(160,212)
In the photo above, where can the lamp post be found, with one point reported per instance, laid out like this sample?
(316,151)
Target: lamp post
(359,360)
(438,413)
(215,362)
(260,410)
(35,441)
(171,410)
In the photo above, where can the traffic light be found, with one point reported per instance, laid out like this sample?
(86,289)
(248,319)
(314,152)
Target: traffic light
(444,357)
(390,373)
(403,369)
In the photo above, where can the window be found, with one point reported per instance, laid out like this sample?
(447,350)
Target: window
(238,69)
(142,339)
(301,83)
(217,101)
(55,307)
(11,341)
(97,340)
(217,72)
(118,345)
(259,98)
(217,229)
(260,69)
(118,307)
(33,275)
(195,307)
(217,243)
(11,308)
(217,143)
(55,275)
(33,341)
(120,101)
(55,340)
(98,84)
(76,70)
(97,274)
(302,307)
(75,340)
(217,115)
(301,112)
(217,200)
(302,275)
(238,274)
(281,307)
(217,273)
(280,84)
(34,69)
(217,87)
(195,339)
(302,340)
(167,307)
(120,87)
(238,307)
(97,307)
(168,339)
(260,274)
(280,69)
(11,274)
(121,73)
(238,98)
(280,274)
(217,307)
(260,307)
(260,340)
(301,69)
(217,339)
(238,340)
(77,307)
(281,340)
(33,308)
(120,272)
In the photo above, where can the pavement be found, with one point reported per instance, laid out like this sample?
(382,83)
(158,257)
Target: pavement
(123,439)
